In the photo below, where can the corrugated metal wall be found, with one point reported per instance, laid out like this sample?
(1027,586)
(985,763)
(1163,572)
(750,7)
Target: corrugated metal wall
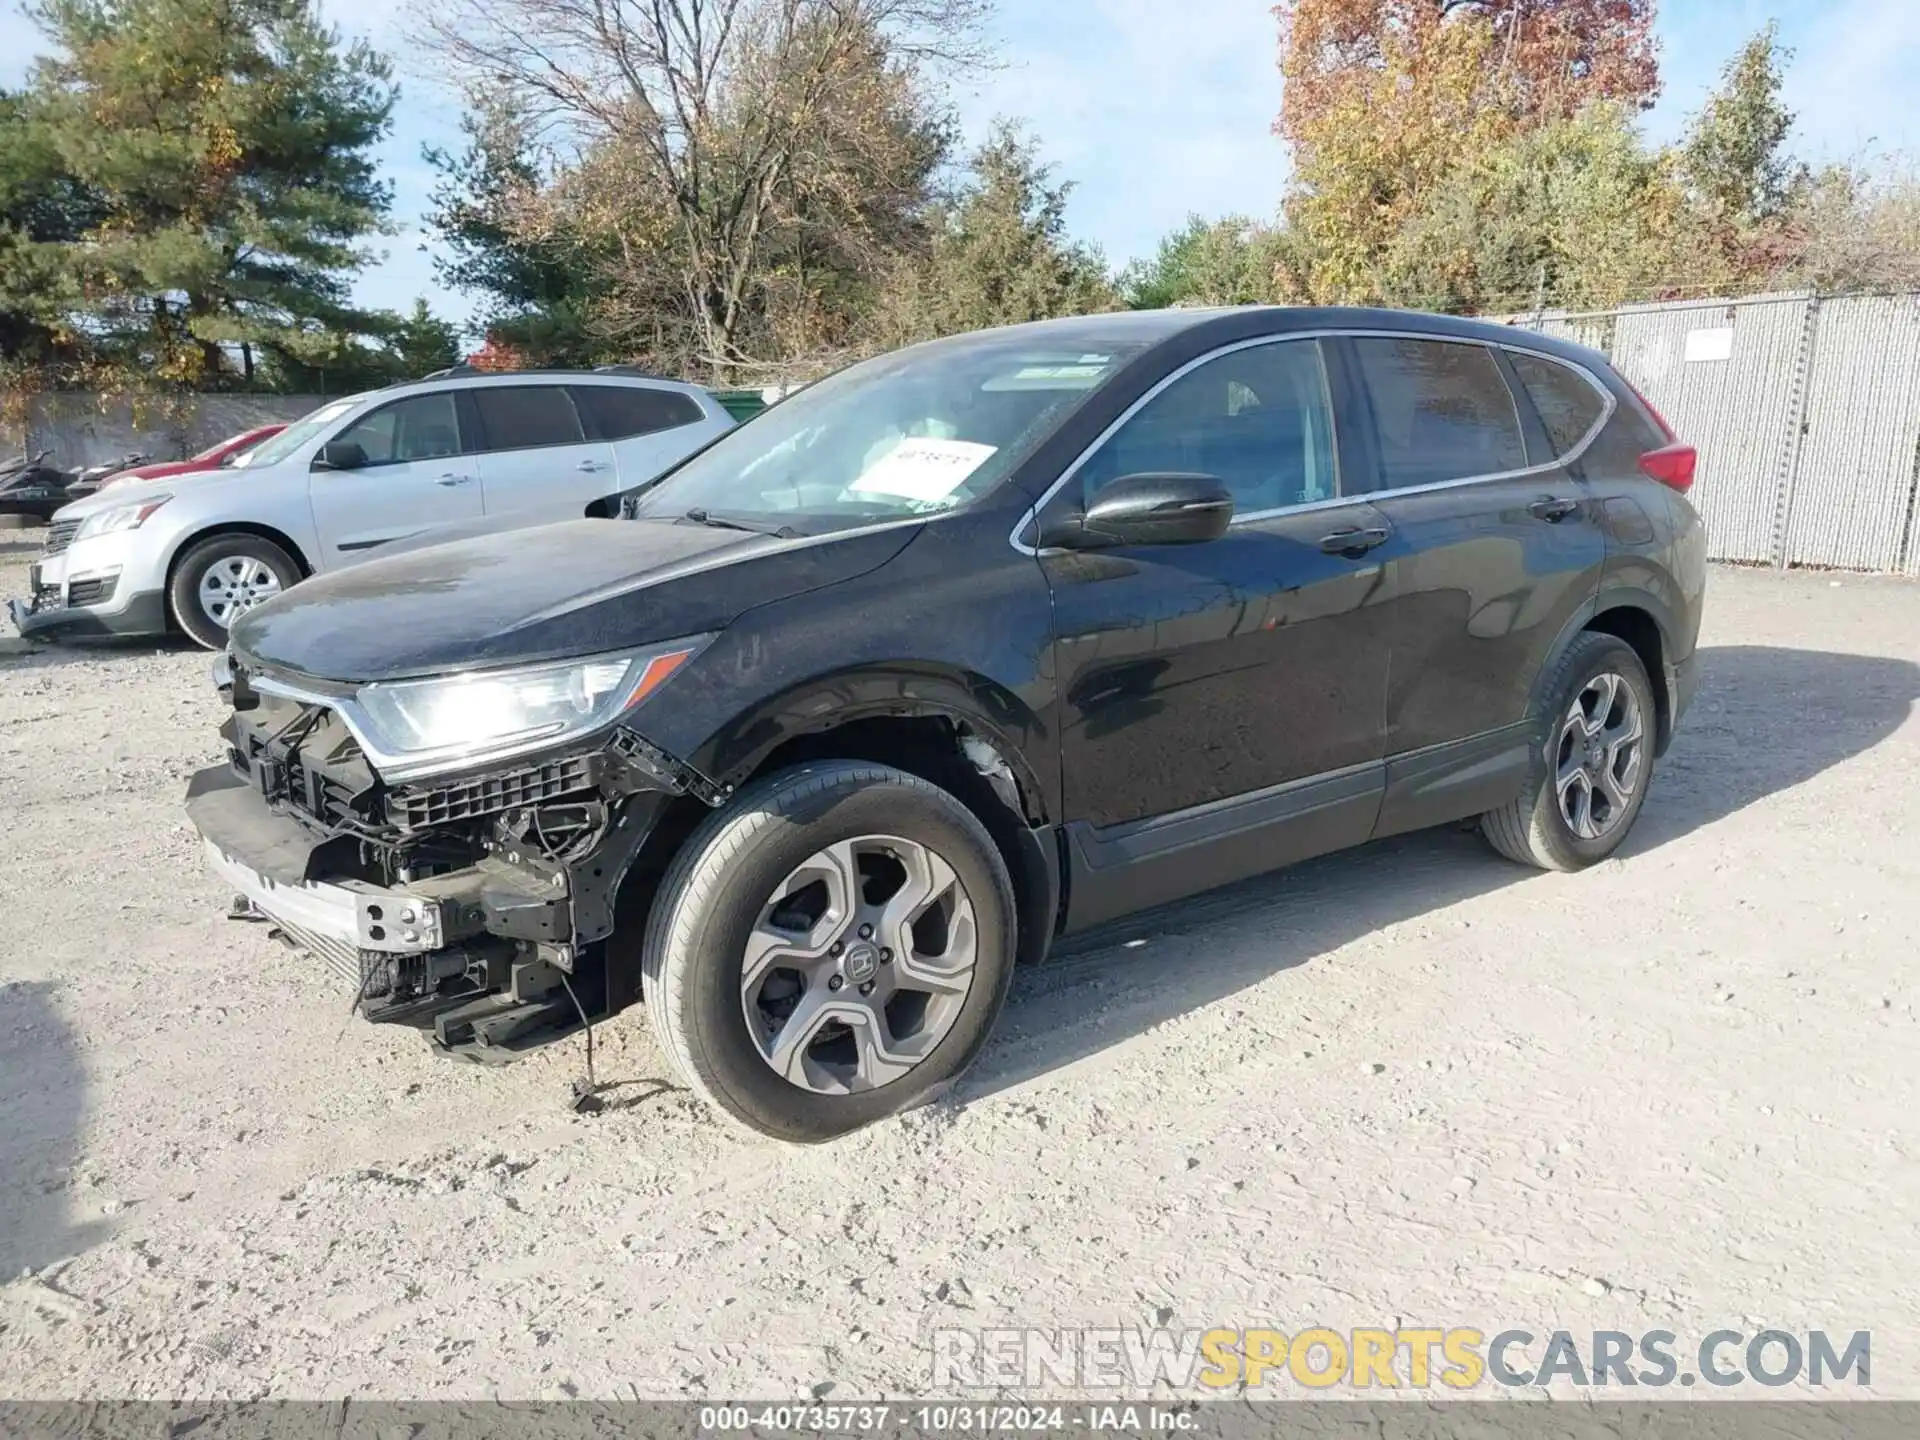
(1852,497)
(1805,410)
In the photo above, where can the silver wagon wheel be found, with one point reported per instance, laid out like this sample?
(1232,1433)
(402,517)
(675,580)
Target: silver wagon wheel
(234,585)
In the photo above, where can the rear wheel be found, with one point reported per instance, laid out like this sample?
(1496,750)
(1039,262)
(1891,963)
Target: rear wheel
(828,949)
(222,577)
(1593,761)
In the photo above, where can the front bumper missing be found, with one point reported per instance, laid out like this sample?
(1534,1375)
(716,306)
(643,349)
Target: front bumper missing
(353,927)
(482,953)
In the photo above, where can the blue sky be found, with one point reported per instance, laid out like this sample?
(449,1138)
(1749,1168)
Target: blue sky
(1156,110)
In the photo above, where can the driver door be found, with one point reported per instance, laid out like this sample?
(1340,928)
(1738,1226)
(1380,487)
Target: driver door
(418,475)
(1223,703)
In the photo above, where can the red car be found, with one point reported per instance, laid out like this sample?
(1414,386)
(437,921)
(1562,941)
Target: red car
(211,458)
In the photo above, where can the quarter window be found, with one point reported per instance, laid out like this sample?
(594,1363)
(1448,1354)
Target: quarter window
(617,412)
(519,417)
(1441,411)
(423,427)
(1565,400)
(1257,419)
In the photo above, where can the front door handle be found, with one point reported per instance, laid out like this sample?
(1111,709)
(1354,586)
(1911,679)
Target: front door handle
(591,467)
(1352,542)
(450,478)
(1551,510)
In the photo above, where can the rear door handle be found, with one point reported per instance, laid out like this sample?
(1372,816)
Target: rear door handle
(1551,510)
(591,467)
(1352,542)
(450,478)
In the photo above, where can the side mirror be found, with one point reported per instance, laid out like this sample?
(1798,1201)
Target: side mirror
(1148,509)
(340,455)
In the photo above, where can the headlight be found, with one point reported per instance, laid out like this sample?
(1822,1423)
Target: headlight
(425,725)
(120,517)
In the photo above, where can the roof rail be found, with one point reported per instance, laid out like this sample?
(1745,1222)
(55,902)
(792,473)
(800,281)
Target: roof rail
(640,371)
(464,370)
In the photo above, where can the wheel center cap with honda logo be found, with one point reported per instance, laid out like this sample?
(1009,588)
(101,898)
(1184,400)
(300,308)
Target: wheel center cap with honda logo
(861,963)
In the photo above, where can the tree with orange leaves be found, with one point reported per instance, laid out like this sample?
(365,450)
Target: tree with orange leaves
(1384,100)
(1549,57)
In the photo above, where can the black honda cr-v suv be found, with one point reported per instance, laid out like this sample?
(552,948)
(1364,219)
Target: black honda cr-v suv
(968,646)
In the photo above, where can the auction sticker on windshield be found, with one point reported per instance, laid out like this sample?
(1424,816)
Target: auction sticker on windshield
(923,469)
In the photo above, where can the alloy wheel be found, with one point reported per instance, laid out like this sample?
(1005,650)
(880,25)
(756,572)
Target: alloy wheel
(858,964)
(233,585)
(1600,756)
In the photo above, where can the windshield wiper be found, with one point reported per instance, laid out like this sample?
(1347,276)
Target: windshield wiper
(720,522)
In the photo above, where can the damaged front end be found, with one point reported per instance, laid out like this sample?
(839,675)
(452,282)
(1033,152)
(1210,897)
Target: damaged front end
(474,901)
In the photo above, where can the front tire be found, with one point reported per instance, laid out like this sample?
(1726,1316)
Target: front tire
(831,947)
(1593,760)
(220,578)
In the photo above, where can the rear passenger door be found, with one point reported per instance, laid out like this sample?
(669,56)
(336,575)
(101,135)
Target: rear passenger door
(1221,702)
(1495,547)
(536,458)
(649,427)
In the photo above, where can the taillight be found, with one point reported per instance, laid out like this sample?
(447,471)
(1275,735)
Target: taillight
(1672,465)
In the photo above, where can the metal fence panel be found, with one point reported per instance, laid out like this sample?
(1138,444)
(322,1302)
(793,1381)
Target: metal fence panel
(1729,379)
(1852,495)
(1595,331)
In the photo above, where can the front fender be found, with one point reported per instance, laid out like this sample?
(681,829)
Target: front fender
(956,625)
(821,703)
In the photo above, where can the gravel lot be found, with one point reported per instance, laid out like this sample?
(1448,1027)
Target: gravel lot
(1411,1084)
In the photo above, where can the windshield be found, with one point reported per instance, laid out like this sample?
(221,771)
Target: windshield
(300,432)
(914,432)
(212,452)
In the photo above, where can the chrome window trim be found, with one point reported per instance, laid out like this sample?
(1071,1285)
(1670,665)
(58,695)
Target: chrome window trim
(1559,462)
(1607,403)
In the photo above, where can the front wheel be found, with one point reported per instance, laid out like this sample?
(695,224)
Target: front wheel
(221,578)
(1594,760)
(831,947)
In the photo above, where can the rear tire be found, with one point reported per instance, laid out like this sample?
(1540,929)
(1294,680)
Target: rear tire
(1593,749)
(220,578)
(765,975)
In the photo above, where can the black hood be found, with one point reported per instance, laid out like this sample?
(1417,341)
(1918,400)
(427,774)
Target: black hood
(580,587)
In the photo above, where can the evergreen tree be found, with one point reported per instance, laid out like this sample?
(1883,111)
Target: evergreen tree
(1735,153)
(42,208)
(1209,262)
(999,254)
(227,142)
(535,296)
(423,342)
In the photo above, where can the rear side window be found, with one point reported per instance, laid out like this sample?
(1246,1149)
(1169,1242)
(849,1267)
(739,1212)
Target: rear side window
(617,412)
(519,417)
(1441,411)
(1566,401)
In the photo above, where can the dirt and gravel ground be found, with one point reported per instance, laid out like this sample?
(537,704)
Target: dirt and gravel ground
(1410,1085)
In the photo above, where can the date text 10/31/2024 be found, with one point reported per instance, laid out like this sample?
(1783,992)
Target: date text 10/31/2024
(962,1418)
